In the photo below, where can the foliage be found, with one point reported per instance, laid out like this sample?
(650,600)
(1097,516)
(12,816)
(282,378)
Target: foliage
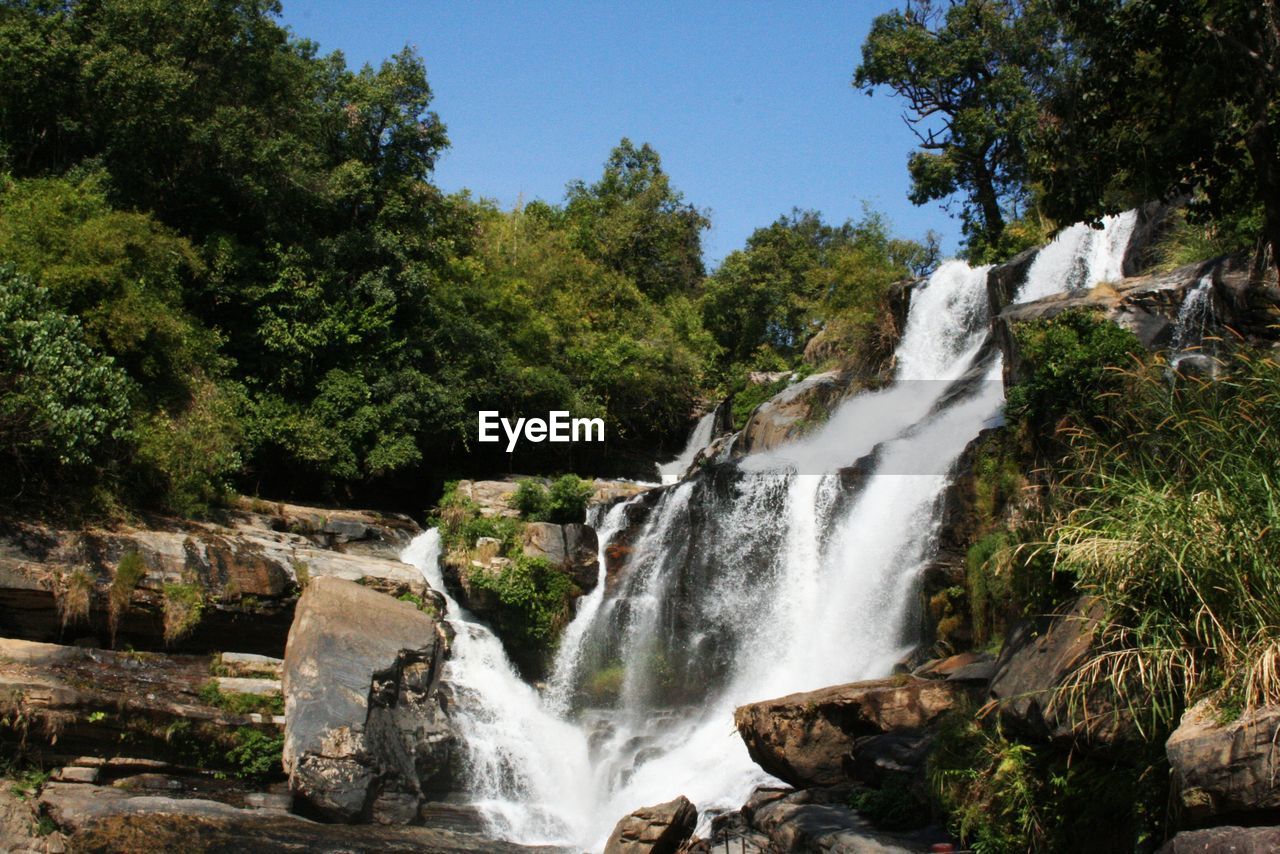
(892,807)
(1185,241)
(973,74)
(534,601)
(563,503)
(1001,795)
(1072,360)
(1168,515)
(183,606)
(256,755)
(1166,99)
(988,569)
(636,224)
(62,405)
(460,523)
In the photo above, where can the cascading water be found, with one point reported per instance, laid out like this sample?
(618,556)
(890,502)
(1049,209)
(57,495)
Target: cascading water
(703,433)
(791,570)
(1080,256)
(1191,340)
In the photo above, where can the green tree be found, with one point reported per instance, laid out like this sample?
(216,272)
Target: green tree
(1167,98)
(973,73)
(62,405)
(635,223)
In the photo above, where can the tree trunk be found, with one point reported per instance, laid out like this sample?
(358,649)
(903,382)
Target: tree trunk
(984,192)
(1261,143)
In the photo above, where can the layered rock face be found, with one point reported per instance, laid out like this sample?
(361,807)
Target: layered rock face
(367,736)
(238,582)
(1224,771)
(659,829)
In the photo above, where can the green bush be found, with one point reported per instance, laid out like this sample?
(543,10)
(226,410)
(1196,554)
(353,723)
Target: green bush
(563,503)
(1073,360)
(534,599)
(62,404)
(255,755)
(241,704)
(893,807)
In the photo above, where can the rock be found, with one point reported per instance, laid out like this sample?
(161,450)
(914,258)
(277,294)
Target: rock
(248,665)
(1225,840)
(246,575)
(363,532)
(106,819)
(89,702)
(570,548)
(803,739)
(75,774)
(244,685)
(654,830)
(789,412)
(889,759)
(819,820)
(1222,770)
(965,667)
(1035,666)
(366,733)
(494,496)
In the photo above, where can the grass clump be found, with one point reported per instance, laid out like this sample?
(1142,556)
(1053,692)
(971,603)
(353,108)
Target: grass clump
(129,574)
(183,607)
(1170,516)
(74,598)
(241,704)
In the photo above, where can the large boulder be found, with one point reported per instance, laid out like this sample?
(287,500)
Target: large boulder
(659,829)
(1033,682)
(810,739)
(367,736)
(788,413)
(1225,769)
(1225,840)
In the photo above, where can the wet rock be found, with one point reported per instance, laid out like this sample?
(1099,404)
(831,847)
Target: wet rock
(1225,769)
(570,548)
(1225,840)
(1034,672)
(819,820)
(791,411)
(804,739)
(366,733)
(658,829)
(965,667)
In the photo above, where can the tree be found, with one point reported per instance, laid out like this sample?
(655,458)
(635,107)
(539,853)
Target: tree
(972,73)
(635,223)
(1167,98)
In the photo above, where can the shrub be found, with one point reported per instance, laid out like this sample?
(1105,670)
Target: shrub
(530,498)
(1072,360)
(129,573)
(534,598)
(567,499)
(183,606)
(893,807)
(1169,514)
(256,755)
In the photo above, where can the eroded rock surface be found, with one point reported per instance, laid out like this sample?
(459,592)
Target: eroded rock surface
(1226,769)
(367,736)
(657,829)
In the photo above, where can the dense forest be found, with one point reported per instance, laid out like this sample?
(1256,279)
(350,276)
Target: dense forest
(226,267)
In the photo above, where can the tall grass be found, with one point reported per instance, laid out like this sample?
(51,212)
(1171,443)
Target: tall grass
(1171,515)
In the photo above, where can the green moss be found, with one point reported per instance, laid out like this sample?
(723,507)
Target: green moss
(241,704)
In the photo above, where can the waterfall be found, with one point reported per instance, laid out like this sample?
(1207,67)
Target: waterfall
(1196,316)
(793,569)
(701,436)
(1080,257)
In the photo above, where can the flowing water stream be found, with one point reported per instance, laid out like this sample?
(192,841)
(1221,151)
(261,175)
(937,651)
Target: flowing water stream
(790,570)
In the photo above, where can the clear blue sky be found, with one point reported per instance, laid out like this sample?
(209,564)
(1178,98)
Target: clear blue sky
(749,104)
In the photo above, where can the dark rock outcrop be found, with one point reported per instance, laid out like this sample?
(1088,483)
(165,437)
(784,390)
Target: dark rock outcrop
(366,732)
(1226,769)
(1033,675)
(812,739)
(659,829)
(572,548)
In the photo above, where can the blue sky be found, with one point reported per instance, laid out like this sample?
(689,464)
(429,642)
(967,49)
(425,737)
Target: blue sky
(749,104)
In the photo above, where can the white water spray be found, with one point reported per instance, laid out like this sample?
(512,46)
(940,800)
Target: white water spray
(1080,257)
(703,433)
